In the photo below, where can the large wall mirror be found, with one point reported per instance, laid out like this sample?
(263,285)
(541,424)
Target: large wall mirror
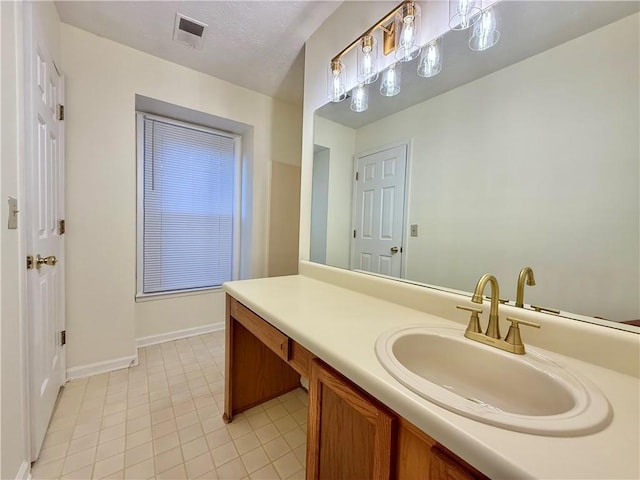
(526,154)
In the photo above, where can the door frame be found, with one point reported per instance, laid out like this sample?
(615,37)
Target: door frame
(20,18)
(408,143)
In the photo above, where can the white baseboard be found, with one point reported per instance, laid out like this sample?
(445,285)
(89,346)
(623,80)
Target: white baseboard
(101,367)
(178,334)
(125,362)
(24,473)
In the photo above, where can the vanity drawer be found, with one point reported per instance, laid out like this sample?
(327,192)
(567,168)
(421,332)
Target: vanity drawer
(301,359)
(273,338)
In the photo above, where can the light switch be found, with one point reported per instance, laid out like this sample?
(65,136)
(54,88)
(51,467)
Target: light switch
(414,230)
(13,214)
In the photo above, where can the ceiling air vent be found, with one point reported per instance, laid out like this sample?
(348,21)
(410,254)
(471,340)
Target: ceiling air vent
(189,31)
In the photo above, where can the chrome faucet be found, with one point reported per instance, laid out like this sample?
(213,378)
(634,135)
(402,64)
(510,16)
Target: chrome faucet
(493,328)
(526,274)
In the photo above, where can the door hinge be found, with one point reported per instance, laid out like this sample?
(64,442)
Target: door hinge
(63,338)
(61,227)
(60,112)
(357,176)
(30,262)
(354,234)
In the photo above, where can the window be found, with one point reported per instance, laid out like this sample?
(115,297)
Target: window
(187,221)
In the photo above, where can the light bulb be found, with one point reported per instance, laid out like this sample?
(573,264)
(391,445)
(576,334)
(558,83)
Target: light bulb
(463,13)
(367,63)
(360,98)
(390,84)
(431,59)
(407,34)
(367,60)
(463,7)
(408,24)
(337,87)
(485,32)
(336,90)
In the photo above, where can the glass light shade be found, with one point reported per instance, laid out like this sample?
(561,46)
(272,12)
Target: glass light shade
(431,59)
(367,60)
(486,31)
(390,84)
(463,13)
(407,27)
(336,82)
(360,98)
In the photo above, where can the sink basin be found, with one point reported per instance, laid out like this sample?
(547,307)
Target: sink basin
(527,393)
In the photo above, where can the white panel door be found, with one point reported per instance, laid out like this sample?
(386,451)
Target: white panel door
(379,212)
(45,203)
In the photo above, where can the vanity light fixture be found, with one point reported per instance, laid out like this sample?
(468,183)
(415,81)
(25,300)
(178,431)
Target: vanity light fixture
(431,59)
(398,32)
(485,33)
(400,28)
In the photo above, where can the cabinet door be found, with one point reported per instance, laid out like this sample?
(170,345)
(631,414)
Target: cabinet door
(420,457)
(350,435)
(444,467)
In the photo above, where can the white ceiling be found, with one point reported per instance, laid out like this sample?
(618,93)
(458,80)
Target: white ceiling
(255,44)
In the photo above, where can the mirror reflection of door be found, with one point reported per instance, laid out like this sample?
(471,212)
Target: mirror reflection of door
(379,211)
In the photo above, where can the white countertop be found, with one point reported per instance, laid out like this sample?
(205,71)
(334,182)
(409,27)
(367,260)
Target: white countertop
(340,326)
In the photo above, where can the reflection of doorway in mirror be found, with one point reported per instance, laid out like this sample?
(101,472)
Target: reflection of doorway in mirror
(319,204)
(379,211)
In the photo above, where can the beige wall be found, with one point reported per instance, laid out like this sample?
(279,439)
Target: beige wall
(284,217)
(284,211)
(103,78)
(340,141)
(13,438)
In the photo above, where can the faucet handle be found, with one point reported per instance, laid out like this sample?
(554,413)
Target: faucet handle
(515,322)
(545,310)
(469,309)
(474,320)
(502,301)
(513,335)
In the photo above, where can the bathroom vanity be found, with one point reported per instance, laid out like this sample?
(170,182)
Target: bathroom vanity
(350,433)
(363,423)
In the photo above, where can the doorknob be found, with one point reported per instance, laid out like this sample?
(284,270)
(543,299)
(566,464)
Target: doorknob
(50,261)
(393,250)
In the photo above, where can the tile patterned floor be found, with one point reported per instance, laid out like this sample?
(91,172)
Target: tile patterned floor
(162,419)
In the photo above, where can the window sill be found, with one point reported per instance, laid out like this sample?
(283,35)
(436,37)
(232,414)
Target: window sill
(149,297)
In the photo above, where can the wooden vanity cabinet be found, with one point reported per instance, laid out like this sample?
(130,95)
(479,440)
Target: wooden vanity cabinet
(350,434)
(445,466)
(420,457)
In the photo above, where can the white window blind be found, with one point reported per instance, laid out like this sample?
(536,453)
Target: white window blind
(187,207)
